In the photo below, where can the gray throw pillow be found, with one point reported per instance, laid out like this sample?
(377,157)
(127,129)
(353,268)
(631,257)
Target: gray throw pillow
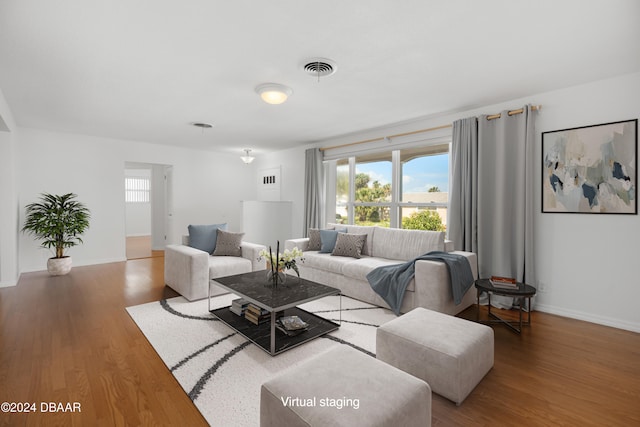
(314,240)
(204,237)
(228,244)
(328,239)
(349,245)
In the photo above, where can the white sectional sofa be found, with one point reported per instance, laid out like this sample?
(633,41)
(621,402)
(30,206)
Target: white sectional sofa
(188,270)
(431,287)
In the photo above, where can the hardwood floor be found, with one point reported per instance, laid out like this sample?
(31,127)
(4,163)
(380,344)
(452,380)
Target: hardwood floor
(140,247)
(69,339)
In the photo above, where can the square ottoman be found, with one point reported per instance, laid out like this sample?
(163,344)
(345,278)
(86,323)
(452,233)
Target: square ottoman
(449,353)
(345,387)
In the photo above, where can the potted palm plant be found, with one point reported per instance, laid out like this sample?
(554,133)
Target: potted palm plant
(58,221)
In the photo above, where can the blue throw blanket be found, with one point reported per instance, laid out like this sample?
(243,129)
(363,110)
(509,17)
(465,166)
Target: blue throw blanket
(391,281)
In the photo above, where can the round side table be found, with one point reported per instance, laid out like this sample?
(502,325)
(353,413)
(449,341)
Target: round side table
(521,291)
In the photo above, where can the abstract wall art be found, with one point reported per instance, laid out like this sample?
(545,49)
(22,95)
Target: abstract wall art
(591,169)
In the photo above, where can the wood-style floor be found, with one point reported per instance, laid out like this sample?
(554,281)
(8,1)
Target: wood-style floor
(69,339)
(140,247)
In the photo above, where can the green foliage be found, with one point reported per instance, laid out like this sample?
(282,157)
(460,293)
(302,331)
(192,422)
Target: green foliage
(58,221)
(434,189)
(424,220)
(362,180)
(376,193)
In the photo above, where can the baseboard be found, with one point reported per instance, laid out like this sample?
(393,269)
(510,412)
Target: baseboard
(8,284)
(589,317)
(75,264)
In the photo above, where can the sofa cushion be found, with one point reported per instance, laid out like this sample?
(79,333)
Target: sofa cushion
(221,266)
(405,245)
(204,237)
(326,262)
(358,269)
(228,244)
(349,245)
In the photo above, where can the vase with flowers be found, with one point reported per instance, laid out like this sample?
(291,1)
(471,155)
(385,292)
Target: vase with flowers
(278,263)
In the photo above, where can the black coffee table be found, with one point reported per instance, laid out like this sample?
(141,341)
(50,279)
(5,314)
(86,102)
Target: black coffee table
(255,288)
(522,291)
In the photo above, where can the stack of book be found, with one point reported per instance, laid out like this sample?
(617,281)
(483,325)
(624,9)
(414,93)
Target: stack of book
(256,315)
(239,306)
(503,282)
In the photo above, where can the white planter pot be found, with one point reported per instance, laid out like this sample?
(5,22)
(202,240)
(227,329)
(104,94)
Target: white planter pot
(59,266)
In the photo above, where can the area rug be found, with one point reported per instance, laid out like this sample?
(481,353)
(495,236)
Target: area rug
(221,371)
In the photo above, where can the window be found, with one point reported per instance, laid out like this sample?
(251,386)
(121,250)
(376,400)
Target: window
(136,190)
(425,187)
(407,188)
(372,201)
(342,192)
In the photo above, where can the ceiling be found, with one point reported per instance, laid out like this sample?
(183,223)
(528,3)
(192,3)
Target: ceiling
(144,70)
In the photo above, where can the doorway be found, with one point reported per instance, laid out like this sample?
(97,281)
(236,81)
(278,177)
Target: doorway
(147,209)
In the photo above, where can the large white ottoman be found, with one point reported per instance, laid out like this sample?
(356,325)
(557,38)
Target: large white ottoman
(345,387)
(449,353)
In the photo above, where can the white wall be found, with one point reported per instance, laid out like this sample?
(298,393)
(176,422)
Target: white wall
(8,199)
(291,163)
(601,287)
(207,188)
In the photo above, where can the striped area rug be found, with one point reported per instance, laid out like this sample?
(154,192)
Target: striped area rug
(220,370)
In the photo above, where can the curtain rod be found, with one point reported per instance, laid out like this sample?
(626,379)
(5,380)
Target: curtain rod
(397,135)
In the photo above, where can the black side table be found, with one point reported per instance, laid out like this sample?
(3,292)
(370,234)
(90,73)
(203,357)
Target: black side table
(523,291)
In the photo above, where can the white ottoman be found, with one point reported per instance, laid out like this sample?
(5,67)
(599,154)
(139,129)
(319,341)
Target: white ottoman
(345,387)
(449,353)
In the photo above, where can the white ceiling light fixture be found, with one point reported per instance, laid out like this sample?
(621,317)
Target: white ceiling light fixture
(247,158)
(274,93)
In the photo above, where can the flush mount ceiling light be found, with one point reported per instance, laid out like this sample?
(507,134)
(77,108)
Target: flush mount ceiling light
(273,93)
(247,158)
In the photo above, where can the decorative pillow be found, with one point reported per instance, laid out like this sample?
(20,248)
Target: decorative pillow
(314,240)
(349,245)
(328,240)
(228,244)
(204,237)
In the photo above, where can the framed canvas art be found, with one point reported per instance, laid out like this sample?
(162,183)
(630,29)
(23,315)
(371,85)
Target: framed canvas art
(591,169)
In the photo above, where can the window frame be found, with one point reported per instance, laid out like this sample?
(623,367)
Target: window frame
(395,205)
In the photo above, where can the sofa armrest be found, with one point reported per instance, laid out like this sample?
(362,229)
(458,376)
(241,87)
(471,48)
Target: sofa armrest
(433,285)
(251,251)
(186,269)
(301,243)
(449,246)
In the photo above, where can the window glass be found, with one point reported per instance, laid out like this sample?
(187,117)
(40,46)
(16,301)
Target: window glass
(342,192)
(136,190)
(425,185)
(373,190)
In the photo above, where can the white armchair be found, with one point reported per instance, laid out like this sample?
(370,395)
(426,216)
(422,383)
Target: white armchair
(188,270)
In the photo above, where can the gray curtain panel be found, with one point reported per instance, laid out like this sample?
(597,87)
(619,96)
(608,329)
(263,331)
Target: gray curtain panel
(492,204)
(505,185)
(313,190)
(463,205)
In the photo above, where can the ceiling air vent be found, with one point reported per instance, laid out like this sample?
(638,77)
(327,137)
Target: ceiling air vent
(320,67)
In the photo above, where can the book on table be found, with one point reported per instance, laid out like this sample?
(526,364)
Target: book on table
(256,315)
(503,282)
(239,306)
